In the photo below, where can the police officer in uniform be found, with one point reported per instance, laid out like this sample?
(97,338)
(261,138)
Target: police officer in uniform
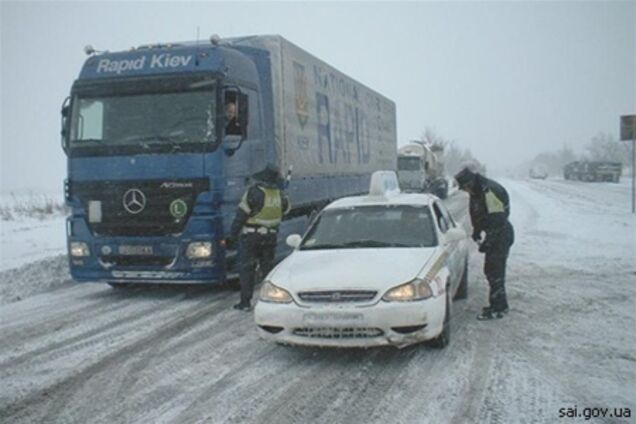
(255,227)
(489,210)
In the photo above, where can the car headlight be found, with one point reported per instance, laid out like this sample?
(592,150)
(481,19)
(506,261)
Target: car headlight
(199,250)
(271,293)
(417,289)
(79,248)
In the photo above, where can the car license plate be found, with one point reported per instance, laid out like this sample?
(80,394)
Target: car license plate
(135,250)
(332,317)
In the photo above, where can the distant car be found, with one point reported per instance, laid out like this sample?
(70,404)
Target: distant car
(381,269)
(539,172)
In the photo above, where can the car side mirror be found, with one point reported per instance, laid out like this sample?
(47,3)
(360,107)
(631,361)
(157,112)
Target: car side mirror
(455,234)
(293,240)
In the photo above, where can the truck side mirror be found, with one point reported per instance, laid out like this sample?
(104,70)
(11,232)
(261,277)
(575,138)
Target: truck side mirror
(65,116)
(231,143)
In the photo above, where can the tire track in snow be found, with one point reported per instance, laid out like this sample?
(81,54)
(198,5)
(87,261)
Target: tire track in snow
(78,341)
(374,372)
(56,396)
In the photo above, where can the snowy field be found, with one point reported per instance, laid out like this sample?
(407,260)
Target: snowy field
(77,353)
(31,228)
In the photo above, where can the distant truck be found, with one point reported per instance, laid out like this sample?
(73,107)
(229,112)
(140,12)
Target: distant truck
(420,169)
(593,171)
(155,175)
(539,172)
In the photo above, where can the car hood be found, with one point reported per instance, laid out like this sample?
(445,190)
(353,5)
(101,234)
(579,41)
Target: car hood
(361,268)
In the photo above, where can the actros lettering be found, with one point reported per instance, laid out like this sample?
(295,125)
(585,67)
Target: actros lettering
(156,61)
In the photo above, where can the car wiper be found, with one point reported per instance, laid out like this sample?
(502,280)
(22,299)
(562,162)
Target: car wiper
(371,243)
(321,246)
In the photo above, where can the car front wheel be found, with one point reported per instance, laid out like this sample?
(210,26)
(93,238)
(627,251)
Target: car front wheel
(443,339)
(462,290)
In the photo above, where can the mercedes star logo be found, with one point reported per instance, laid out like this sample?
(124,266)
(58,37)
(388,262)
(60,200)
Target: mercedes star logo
(134,201)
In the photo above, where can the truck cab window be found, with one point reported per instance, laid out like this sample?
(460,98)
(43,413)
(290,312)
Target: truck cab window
(236,113)
(89,120)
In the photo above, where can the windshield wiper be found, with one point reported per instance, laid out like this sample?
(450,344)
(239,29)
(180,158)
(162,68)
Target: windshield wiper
(88,140)
(153,137)
(372,243)
(321,246)
(352,244)
(174,141)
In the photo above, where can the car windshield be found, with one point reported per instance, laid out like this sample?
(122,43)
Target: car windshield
(409,164)
(371,226)
(146,119)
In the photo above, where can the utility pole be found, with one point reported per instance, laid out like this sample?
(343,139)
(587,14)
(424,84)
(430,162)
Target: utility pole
(628,132)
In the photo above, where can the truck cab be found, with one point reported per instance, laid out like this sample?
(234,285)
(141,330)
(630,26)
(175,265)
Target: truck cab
(152,168)
(421,170)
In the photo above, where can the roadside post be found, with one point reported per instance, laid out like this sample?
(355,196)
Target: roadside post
(628,132)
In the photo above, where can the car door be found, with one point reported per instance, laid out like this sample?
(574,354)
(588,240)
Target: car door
(452,249)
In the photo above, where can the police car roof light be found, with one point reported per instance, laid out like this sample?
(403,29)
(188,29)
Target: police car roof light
(384,184)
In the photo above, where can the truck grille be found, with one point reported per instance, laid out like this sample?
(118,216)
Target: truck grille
(154,218)
(338,333)
(123,260)
(337,296)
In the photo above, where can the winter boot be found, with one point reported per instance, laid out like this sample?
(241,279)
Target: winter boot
(243,307)
(488,313)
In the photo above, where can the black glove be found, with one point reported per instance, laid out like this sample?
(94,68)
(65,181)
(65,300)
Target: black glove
(484,247)
(477,236)
(230,244)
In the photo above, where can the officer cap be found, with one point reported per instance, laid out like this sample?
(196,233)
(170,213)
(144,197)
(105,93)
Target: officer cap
(465,177)
(270,173)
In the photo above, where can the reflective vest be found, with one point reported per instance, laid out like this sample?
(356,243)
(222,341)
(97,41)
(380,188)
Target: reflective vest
(271,213)
(493,203)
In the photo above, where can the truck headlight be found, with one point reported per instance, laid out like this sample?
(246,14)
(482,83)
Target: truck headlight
(271,293)
(79,248)
(417,289)
(199,250)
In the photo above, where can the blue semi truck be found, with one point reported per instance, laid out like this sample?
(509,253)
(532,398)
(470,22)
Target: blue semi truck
(155,173)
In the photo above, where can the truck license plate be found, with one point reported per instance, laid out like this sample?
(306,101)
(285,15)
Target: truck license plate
(135,250)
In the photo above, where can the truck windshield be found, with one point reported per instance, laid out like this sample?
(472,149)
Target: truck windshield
(372,226)
(152,120)
(409,164)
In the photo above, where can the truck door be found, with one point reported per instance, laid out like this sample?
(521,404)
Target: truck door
(243,144)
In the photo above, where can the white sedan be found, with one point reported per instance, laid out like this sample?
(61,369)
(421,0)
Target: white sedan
(381,269)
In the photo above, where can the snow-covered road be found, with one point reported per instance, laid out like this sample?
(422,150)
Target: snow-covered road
(89,353)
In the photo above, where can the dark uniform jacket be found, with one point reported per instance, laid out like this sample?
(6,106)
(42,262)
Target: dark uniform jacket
(233,127)
(489,212)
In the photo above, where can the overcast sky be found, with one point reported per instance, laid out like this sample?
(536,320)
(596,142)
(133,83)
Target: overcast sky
(507,80)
